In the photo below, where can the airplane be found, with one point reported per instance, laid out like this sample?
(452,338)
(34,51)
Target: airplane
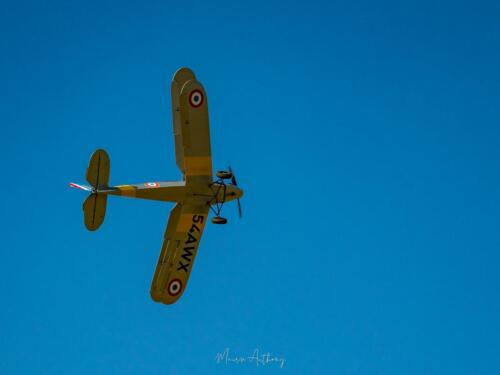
(195,196)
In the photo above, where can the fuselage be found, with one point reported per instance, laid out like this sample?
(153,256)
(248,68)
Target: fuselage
(177,191)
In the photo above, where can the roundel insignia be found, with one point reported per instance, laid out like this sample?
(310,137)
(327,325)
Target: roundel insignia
(196,98)
(174,287)
(151,184)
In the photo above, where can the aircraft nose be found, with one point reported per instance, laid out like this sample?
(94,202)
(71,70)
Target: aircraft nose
(236,192)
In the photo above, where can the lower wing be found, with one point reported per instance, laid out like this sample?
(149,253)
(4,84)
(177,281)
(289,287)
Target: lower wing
(180,245)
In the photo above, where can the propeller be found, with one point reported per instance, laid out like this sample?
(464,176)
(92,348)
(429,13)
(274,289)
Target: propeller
(233,182)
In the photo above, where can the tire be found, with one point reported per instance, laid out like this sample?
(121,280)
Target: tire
(224,175)
(219,220)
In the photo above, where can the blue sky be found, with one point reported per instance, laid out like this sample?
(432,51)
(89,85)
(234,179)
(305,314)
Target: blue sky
(365,135)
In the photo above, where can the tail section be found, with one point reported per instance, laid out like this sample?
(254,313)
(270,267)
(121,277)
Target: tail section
(94,210)
(98,170)
(94,207)
(81,187)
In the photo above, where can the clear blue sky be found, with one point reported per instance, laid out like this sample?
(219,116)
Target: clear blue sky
(366,136)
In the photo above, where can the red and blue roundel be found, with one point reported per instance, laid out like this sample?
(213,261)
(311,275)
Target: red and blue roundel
(196,98)
(152,184)
(174,287)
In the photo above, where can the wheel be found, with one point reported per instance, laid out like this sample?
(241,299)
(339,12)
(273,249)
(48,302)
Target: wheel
(219,220)
(224,174)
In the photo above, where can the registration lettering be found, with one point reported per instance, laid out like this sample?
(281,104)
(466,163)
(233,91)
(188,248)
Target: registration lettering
(190,244)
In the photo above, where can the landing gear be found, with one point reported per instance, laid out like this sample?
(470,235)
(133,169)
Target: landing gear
(218,195)
(224,175)
(219,220)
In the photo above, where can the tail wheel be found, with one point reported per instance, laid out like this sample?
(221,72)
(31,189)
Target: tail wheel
(225,175)
(219,220)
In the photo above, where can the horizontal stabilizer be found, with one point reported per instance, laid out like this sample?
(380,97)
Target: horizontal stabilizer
(94,210)
(98,170)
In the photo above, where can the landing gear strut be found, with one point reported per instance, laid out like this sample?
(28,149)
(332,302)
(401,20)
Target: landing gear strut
(218,197)
(214,203)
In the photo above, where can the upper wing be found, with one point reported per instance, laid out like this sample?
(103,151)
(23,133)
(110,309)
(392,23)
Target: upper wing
(191,126)
(180,245)
(180,78)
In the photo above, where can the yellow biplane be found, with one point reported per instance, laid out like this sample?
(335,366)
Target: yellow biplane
(195,195)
